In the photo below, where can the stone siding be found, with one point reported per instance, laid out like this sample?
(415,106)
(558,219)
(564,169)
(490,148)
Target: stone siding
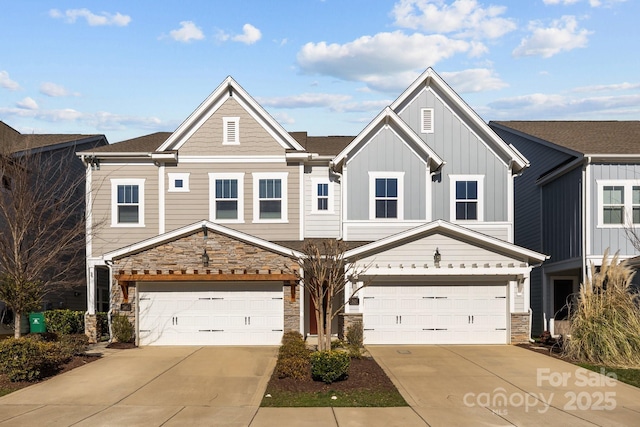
(291,308)
(345,320)
(91,327)
(519,328)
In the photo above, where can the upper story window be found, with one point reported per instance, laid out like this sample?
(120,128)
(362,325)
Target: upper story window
(179,182)
(270,197)
(226,197)
(426,120)
(386,195)
(618,203)
(127,202)
(467,197)
(322,196)
(231,130)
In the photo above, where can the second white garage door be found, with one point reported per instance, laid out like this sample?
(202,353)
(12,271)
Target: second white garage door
(435,314)
(244,313)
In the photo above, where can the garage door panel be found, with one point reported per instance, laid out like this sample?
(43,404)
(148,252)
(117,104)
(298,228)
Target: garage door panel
(429,314)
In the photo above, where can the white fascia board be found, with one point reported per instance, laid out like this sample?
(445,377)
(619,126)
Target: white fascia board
(438,226)
(184,231)
(166,156)
(430,77)
(446,271)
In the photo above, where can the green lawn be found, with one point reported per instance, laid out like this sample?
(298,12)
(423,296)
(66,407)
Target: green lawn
(356,398)
(629,376)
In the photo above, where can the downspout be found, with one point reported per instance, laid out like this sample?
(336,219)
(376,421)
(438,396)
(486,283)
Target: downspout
(585,230)
(109,263)
(332,168)
(530,323)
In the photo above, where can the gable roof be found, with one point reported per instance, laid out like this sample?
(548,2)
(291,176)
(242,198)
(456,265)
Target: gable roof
(323,145)
(586,137)
(449,229)
(229,88)
(15,142)
(142,144)
(429,78)
(388,117)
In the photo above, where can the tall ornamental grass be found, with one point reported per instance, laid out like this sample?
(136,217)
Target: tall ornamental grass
(605,318)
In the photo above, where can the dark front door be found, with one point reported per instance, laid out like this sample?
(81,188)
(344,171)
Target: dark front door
(562,288)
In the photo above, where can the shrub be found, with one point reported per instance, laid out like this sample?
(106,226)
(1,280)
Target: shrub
(291,336)
(30,358)
(293,357)
(605,319)
(330,366)
(64,322)
(102,320)
(75,344)
(355,339)
(122,328)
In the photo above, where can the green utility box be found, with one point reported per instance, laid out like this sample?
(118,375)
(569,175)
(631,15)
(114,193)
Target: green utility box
(36,323)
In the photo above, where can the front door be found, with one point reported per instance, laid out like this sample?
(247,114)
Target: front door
(562,289)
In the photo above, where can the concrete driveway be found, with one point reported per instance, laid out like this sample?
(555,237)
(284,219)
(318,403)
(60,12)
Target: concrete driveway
(150,386)
(504,386)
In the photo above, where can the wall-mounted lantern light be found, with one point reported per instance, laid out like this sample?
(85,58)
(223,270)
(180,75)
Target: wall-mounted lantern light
(205,258)
(437,258)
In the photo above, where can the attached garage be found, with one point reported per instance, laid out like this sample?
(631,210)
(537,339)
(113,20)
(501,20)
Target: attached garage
(225,313)
(451,313)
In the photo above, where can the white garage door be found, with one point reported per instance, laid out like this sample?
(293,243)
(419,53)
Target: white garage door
(438,314)
(245,313)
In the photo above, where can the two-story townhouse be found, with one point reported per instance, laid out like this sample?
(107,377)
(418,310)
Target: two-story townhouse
(578,199)
(196,230)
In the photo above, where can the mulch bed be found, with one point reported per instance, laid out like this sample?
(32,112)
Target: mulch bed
(364,374)
(121,345)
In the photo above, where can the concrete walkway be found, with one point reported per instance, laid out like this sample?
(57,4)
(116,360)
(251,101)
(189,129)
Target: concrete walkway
(223,386)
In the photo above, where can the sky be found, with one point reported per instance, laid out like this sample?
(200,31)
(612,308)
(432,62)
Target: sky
(129,68)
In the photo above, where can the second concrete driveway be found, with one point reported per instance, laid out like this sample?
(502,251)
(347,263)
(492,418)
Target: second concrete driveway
(150,386)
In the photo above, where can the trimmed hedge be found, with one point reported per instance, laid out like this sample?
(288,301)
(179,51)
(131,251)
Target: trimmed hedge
(122,328)
(63,322)
(30,358)
(329,366)
(293,357)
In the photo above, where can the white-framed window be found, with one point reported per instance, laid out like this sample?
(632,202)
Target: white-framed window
(127,202)
(231,130)
(226,197)
(426,120)
(322,200)
(386,195)
(467,197)
(179,182)
(270,197)
(618,203)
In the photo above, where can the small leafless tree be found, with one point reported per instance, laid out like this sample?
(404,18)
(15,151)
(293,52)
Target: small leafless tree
(326,276)
(42,228)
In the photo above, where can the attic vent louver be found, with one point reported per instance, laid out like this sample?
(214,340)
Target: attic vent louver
(426,120)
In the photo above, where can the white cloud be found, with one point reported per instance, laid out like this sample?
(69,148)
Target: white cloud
(6,82)
(464,18)
(605,88)
(104,18)
(592,3)
(304,100)
(385,61)
(284,118)
(250,35)
(560,1)
(54,90)
(562,36)
(27,104)
(473,80)
(188,31)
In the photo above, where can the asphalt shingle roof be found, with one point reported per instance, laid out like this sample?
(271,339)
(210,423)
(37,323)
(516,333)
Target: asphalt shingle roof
(586,137)
(13,141)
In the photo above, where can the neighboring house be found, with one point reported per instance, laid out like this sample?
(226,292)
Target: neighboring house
(61,148)
(202,225)
(579,198)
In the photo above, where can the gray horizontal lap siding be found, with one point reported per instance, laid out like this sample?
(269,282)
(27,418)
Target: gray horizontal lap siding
(464,153)
(613,238)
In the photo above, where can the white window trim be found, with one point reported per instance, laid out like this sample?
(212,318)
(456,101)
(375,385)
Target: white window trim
(314,196)
(212,197)
(372,194)
(177,176)
(452,195)
(628,185)
(225,133)
(115,182)
(282,176)
(424,111)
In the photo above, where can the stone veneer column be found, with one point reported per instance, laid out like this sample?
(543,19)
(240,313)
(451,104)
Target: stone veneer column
(291,302)
(519,328)
(345,320)
(91,327)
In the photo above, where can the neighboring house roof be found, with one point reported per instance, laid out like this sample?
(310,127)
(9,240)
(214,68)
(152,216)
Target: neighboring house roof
(298,245)
(586,137)
(323,145)
(142,144)
(15,142)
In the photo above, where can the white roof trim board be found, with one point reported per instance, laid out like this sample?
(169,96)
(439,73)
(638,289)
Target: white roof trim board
(389,116)
(447,228)
(228,88)
(430,78)
(190,229)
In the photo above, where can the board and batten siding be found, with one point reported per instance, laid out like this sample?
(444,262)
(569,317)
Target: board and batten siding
(614,238)
(106,238)
(386,152)
(254,139)
(320,224)
(465,153)
(562,217)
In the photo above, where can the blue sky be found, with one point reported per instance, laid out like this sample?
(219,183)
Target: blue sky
(129,68)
